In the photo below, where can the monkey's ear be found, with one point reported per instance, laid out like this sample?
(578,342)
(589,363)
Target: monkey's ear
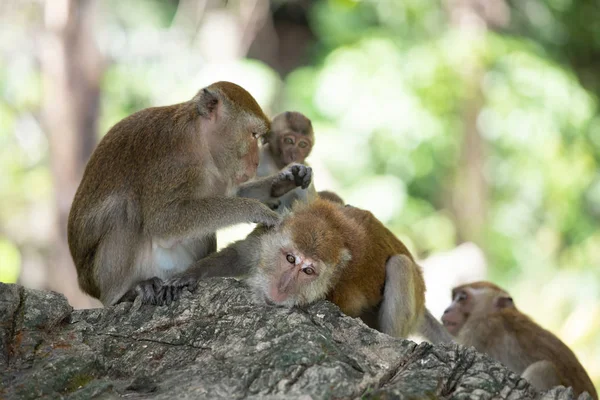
(207,103)
(504,302)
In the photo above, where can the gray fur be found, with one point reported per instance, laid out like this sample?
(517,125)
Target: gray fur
(542,375)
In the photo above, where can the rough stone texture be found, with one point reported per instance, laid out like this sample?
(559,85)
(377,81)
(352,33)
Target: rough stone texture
(215,344)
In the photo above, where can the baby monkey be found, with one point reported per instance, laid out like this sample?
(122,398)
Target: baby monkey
(289,141)
(484,316)
(324,250)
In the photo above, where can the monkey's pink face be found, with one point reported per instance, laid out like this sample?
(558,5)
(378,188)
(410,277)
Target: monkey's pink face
(466,299)
(290,282)
(456,315)
(294,147)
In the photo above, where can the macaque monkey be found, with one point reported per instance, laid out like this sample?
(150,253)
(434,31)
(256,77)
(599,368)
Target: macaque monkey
(290,141)
(484,316)
(331,196)
(161,182)
(323,250)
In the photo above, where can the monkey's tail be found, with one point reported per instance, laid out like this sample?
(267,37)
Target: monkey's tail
(433,330)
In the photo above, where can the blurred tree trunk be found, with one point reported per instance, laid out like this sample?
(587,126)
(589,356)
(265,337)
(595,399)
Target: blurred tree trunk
(72,68)
(284,40)
(469,193)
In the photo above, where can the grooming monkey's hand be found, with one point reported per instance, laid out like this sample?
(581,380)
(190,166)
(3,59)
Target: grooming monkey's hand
(300,174)
(267,217)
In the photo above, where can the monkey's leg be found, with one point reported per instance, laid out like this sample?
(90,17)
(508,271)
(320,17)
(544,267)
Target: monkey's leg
(542,375)
(398,313)
(277,185)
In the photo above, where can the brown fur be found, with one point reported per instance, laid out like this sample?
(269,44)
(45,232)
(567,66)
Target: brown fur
(298,123)
(331,196)
(164,173)
(241,98)
(490,328)
(324,231)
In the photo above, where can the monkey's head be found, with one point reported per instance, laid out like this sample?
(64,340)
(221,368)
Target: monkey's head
(291,138)
(234,123)
(480,298)
(302,258)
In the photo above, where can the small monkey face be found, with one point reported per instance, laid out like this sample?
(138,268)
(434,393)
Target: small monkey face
(295,147)
(456,315)
(473,300)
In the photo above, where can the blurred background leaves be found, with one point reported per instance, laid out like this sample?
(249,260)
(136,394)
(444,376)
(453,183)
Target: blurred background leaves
(454,121)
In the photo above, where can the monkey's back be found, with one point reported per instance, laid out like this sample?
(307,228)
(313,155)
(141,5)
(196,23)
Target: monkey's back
(366,272)
(542,344)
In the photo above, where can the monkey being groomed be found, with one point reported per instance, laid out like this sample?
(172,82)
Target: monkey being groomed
(159,185)
(324,250)
(484,316)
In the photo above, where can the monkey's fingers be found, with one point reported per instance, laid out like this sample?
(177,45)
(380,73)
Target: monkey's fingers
(307,178)
(148,290)
(269,219)
(171,290)
(302,175)
(168,294)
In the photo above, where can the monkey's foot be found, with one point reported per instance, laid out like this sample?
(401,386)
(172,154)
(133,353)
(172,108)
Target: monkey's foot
(148,290)
(171,289)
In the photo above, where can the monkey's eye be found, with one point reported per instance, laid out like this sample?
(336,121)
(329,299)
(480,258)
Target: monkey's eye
(255,135)
(303,144)
(291,259)
(461,296)
(308,270)
(288,140)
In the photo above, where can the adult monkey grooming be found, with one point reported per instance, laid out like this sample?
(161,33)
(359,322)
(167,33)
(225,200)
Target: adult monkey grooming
(323,250)
(161,182)
(290,141)
(484,316)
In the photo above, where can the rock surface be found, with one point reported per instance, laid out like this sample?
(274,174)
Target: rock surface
(215,344)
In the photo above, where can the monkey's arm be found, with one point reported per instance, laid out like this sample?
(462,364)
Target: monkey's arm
(265,189)
(203,216)
(433,331)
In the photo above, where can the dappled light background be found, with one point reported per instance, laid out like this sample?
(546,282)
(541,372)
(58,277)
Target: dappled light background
(469,127)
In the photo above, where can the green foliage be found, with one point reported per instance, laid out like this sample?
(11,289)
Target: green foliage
(10,262)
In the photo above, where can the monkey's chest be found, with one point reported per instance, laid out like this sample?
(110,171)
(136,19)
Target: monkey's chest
(170,256)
